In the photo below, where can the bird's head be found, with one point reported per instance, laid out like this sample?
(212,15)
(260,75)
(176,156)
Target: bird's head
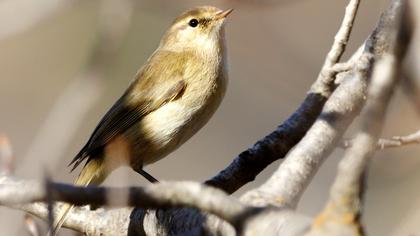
(200,28)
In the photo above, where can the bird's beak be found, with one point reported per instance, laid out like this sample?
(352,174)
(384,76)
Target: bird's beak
(222,14)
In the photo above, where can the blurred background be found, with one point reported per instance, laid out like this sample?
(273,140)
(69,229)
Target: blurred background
(59,74)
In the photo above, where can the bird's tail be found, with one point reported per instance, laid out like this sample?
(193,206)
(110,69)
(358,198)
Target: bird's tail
(93,173)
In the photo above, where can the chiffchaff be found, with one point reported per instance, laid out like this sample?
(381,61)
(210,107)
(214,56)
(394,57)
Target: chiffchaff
(172,96)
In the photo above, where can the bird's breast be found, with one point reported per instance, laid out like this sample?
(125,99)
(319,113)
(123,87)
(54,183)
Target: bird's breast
(174,123)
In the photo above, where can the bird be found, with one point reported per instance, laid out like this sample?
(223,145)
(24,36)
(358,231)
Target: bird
(171,97)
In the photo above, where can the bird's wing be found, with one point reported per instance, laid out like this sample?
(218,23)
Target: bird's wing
(157,83)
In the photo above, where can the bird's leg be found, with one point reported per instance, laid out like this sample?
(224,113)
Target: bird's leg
(147,176)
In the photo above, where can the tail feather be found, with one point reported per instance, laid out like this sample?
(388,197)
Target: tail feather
(79,158)
(93,173)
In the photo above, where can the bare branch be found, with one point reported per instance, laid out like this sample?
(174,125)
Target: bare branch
(81,219)
(287,184)
(162,195)
(396,141)
(327,74)
(276,145)
(248,164)
(349,95)
(342,213)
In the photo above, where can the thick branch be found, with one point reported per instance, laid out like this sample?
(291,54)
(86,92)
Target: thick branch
(287,184)
(162,195)
(247,165)
(342,213)
(276,145)
(81,219)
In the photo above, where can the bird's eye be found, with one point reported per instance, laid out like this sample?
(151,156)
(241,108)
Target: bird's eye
(193,23)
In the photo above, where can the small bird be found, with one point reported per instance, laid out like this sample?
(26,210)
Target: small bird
(172,96)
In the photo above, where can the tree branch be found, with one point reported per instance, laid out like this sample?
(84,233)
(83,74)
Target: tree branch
(277,144)
(284,188)
(328,71)
(394,142)
(162,195)
(342,214)
(287,184)
(81,219)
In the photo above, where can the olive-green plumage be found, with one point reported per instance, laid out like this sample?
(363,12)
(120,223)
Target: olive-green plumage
(171,97)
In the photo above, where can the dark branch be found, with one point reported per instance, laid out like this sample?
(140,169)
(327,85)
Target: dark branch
(276,145)
(288,183)
(161,195)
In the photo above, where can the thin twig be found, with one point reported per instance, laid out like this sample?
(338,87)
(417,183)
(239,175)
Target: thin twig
(398,141)
(327,73)
(394,142)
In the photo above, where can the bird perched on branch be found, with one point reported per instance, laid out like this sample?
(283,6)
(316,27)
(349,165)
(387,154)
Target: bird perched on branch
(172,96)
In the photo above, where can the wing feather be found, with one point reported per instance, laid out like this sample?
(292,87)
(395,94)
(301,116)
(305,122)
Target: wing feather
(153,87)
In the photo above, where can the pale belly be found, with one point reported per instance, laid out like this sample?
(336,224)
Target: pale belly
(167,123)
(167,128)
